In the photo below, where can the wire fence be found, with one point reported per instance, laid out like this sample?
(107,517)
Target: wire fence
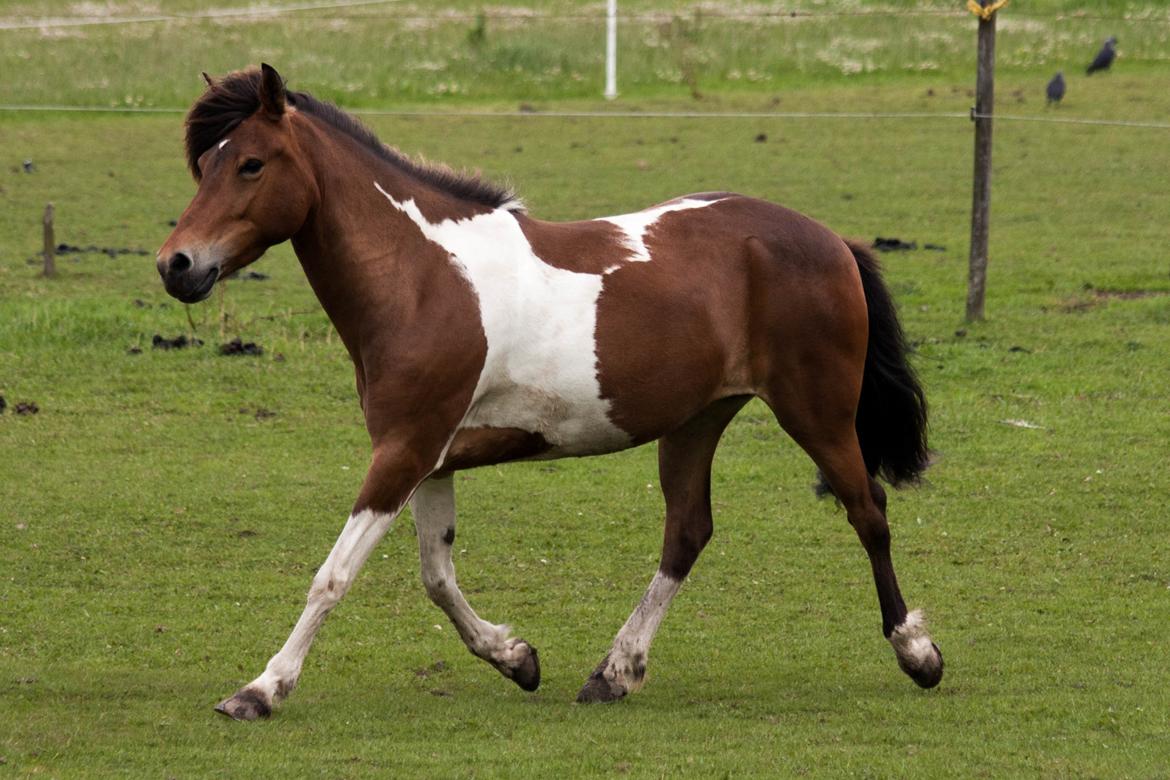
(392,10)
(539,114)
(386,10)
(211,13)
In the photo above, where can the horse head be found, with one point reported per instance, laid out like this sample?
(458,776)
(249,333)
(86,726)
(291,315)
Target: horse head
(256,189)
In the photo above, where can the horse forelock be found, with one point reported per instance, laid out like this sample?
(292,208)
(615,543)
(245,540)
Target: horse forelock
(236,97)
(219,110)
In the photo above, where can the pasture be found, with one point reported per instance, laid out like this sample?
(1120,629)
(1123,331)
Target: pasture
(162,514)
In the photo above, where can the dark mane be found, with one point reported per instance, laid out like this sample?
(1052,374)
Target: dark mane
(236,97)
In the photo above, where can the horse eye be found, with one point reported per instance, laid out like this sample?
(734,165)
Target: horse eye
(251,166)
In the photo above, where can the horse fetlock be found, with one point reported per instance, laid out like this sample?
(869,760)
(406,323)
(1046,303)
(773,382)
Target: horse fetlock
(918,656)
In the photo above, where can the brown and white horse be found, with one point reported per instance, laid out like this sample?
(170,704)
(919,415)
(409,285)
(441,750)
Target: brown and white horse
(481,335)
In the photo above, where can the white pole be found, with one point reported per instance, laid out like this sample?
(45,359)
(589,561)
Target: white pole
(611,51)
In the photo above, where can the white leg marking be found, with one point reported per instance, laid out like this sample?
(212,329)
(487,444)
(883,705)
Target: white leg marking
(433,507)
(912,642)
(361,534)
(626,665)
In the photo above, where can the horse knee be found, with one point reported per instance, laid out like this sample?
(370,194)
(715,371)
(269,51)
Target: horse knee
(327,588)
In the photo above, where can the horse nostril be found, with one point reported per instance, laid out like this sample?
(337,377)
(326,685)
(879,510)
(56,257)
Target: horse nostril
(180,263)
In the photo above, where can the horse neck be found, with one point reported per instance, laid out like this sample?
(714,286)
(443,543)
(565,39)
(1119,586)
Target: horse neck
(363,257)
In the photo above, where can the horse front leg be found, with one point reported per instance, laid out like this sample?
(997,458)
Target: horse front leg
(393,476)
(433,507)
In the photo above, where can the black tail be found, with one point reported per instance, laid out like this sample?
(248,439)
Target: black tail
(891,416)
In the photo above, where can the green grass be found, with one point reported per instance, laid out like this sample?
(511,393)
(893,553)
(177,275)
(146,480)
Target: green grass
(157,539)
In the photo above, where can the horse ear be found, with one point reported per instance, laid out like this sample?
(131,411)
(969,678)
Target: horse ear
(207,78)
(271,91)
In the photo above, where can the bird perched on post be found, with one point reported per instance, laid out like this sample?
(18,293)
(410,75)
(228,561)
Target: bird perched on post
(1104,57)
(1056,88)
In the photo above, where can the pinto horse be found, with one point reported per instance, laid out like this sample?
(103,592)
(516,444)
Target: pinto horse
(481,335)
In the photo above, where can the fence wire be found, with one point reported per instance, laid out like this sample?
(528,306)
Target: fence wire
(536,114)
(391,10)
(305,11)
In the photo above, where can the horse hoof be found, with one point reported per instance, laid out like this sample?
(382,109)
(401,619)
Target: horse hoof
(599,689)
(245,704)
(527,674)
(519,663)
(927,673)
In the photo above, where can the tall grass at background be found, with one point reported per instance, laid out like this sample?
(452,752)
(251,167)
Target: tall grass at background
(386,55)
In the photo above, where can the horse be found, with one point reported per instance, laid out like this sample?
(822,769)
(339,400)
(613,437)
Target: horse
(481,335)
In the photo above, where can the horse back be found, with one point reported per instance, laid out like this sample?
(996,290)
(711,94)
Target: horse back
(622,328)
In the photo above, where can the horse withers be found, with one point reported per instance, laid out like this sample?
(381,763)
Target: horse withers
(481,335)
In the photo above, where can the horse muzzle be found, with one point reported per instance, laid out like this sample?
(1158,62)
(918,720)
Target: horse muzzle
(185,279)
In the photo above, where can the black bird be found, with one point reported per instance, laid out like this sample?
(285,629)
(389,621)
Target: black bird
(1104,57)
(1056,88)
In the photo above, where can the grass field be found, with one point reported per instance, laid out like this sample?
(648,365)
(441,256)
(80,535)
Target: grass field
(162,514)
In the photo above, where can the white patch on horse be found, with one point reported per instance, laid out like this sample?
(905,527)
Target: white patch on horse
(433,507)
(223,143)
(911,641)
(540,373)
(357,540)
(635,225)
(631,648)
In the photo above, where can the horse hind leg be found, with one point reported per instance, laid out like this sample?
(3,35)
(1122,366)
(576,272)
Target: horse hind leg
(433,507)
(684,467)
(818,412)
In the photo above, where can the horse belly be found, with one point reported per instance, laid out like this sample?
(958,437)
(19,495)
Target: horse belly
(572,420)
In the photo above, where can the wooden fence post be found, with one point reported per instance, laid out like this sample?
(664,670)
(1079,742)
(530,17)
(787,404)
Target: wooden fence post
(50,243)
(981,195)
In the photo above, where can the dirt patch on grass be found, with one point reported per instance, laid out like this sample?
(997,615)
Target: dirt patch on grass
(898,245)
(238,347)
(108,251)
(178,342)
